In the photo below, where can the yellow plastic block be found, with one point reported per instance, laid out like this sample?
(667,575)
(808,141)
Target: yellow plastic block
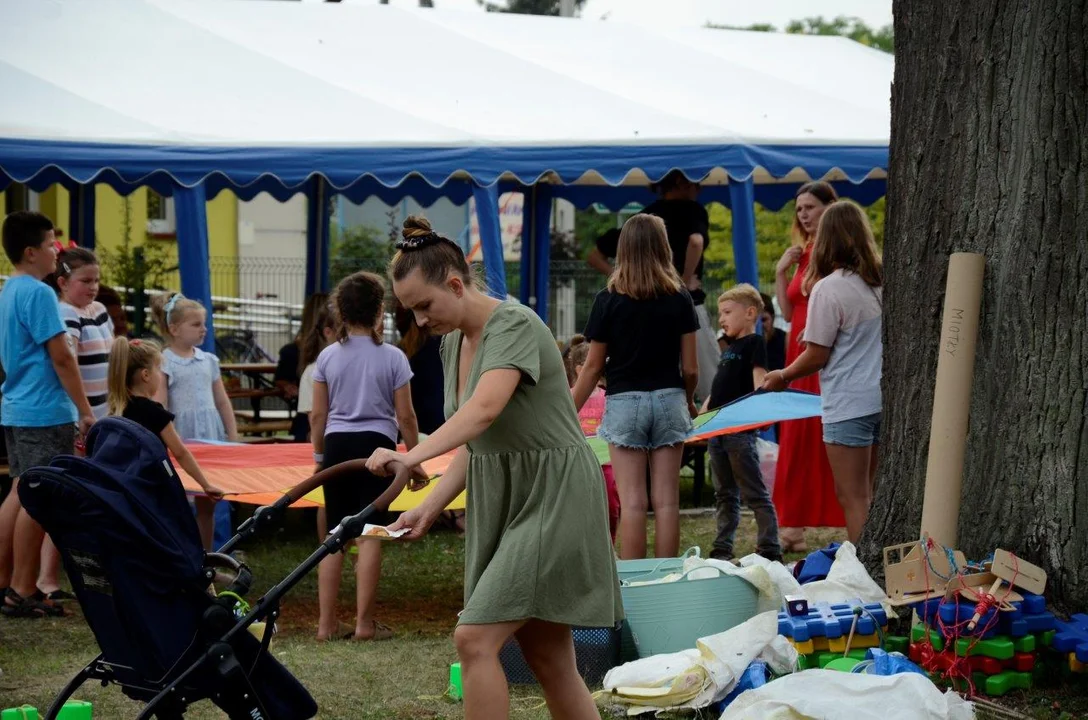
(838,645)
(805,647)
(1076,665)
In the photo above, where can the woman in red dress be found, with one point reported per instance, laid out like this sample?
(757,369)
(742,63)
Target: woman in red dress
(804,488)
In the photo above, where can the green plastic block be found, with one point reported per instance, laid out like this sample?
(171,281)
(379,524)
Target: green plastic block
(1026,644)
(807,662)
(75,710)
(823,658)
(998,685)
(25,712)
(897,643)
(918,633)
(456,690)
(999,648)
(1045,639)
(843,664)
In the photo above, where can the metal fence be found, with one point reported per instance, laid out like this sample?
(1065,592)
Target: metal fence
(257,302)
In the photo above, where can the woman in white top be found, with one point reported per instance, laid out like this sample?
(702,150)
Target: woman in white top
(321,333)
(843,343)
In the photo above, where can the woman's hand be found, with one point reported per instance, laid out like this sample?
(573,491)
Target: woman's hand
(692,409)
(379,461)
(418,521)
(774,381)
(791,257)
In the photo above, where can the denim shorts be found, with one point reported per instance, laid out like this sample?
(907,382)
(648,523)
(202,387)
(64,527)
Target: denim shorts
(646,420)
(856,433)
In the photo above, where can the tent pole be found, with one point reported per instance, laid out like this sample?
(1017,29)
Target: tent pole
(487,213)
(81,215)
(742,194)
(317,236)
(527,292)
(190,211)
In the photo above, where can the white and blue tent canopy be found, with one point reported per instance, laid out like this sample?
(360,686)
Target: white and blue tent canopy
(363,99)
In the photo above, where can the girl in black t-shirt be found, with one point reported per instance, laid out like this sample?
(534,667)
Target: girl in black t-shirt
(642,339)
(135,375)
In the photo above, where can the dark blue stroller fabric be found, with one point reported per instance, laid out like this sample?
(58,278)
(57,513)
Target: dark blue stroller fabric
(132,551)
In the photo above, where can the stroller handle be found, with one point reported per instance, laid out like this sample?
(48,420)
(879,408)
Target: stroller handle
(400,479)
(271,514)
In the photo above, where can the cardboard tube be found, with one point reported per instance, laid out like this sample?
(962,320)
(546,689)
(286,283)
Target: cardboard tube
(952,398)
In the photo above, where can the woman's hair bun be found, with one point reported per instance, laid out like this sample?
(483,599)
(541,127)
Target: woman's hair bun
(416,226)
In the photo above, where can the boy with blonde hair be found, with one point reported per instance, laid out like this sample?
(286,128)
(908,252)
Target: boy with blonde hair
(734,459)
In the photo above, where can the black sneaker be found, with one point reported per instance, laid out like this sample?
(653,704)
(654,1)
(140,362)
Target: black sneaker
(718,554)
(773,557)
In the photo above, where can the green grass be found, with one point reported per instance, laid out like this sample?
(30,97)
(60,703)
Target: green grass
(420,595)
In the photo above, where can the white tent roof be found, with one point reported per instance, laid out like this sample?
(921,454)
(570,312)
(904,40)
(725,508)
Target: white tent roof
(238,74)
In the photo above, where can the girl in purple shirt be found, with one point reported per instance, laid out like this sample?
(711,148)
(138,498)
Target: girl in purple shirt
(362,397)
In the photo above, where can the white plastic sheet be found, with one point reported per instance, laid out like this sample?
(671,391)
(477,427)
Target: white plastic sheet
(696,678)
(831,695)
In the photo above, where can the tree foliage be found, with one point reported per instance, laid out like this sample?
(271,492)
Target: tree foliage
(358,248)
(528,7)
(882,38)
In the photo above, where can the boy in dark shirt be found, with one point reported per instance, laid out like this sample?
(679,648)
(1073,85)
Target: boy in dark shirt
(734,459)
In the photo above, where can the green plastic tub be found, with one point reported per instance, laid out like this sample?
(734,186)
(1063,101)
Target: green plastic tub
(670,617)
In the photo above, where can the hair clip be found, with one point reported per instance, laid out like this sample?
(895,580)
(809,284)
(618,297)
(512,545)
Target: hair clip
(419,241)
(135,342)
(67,270)
(171,304)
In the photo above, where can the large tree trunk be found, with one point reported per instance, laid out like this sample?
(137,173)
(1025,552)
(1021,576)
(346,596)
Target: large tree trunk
(989,154)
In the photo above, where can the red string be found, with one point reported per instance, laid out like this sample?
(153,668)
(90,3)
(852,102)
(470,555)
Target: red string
(948,664)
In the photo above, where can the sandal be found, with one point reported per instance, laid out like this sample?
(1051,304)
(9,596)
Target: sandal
(381,632)
(56,596)
(16,606)
(343,632)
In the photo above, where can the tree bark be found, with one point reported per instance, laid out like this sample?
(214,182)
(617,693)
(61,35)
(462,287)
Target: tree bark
(989,154)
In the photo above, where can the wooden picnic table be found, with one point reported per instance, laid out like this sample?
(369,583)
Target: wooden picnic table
(259,368)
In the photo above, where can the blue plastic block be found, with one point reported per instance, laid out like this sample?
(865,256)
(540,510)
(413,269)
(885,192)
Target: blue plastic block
(960,613)
(1033,604)
(754,676)
(1072,637)
(828,620)
(927,610)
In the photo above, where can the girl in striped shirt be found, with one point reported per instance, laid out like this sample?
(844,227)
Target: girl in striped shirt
(90,330)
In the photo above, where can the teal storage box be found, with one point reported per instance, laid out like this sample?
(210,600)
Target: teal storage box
(670,617)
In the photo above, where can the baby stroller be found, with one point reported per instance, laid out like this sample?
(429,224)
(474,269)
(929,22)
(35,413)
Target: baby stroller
(132,551)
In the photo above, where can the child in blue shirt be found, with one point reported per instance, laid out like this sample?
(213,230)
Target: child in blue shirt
(43,400)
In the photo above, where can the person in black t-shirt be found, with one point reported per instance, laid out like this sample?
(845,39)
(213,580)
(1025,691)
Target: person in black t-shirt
(641,332)
(687,225)
(135,375)
(775,338)
(290,365)
(734,459)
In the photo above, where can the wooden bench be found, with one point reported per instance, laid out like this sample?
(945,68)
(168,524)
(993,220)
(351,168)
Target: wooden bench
(261,427)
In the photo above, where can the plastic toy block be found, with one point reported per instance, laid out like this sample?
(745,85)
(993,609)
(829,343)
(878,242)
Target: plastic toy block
(999,648)
(896,643)
(455,690)
(803,647)
(823,658)
(960,613)
(1024,644)
(838,645)
(919,632)
(807,662)
(25,712)
(1033,604)
(1045,639)
(75,710)
(1076,665)
(998,685)
(1072,637)
(831,620)
(1023,662)
(928,610)
(843,664)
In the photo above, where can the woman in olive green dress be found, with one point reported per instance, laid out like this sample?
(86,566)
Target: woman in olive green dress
(538,557)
